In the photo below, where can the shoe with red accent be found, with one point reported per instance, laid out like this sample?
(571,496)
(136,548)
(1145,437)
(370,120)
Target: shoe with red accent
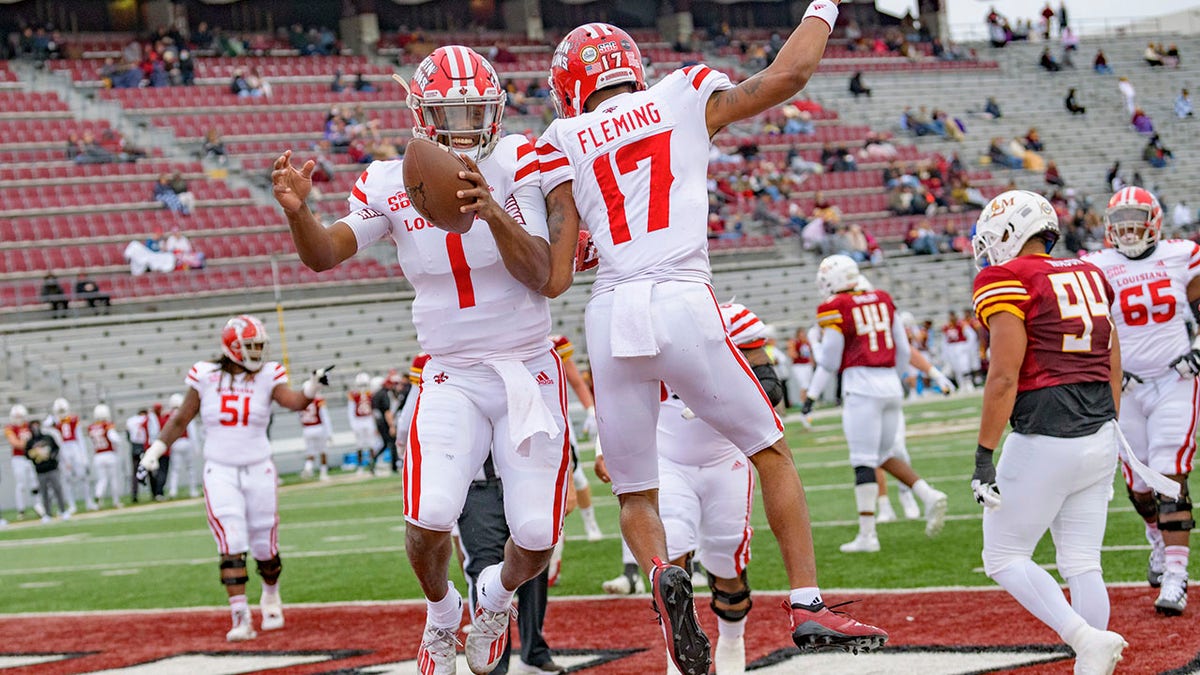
(820,628)
(438,653)
(487,640)
(687,644)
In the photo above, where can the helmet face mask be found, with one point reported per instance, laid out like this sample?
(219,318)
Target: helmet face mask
(1009,221)
(457,101)
(244,341)
(593,56)
(1133,221)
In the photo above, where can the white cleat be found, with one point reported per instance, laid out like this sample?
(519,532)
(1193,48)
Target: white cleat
(908,503)
(593,531)
(884,513)
(863,543)
(729,656)
(437,654)
(935,514)
(1172,597)
(243,628)
(272,613)
(485,645)
(37,508)
(623,585)
(1097,651)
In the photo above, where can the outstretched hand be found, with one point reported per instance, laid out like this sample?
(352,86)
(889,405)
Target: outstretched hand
(478,197)
(289,184)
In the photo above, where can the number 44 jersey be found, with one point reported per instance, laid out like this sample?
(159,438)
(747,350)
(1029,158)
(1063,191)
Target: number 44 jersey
(1150,309)
(867,323)
(468,308)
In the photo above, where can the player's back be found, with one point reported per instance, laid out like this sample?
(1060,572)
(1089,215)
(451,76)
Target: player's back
(1150,301)
(866,322)
(639,163)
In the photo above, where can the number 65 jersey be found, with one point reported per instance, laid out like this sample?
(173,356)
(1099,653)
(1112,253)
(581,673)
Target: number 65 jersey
(468,308)
(1150,309)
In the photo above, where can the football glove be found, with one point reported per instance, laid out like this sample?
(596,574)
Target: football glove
(983,481)
(1129,380)
(585,252)
(590,427)
(319,378)
(940,381)
(1187,365)
(806,407)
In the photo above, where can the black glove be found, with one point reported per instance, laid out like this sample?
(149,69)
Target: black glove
(142,475)
(322,375)
(983,481)
(1187,365)
(1128,379)
(806,407)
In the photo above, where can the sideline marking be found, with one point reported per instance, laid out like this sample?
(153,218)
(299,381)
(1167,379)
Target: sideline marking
(21,660)
(216,664)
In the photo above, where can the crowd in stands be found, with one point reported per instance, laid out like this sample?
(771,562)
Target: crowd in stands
(159,253)
(86,291)
(110,147)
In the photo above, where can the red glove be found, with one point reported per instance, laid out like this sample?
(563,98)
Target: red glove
(586,257)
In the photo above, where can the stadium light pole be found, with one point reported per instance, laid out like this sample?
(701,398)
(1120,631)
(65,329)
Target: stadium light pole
(279,315)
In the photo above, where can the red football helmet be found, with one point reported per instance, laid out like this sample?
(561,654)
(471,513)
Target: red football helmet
(1133,221)
(244,340)
(458,101)
(592,57)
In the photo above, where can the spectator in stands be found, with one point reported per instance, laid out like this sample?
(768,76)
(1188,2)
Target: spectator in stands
(1100,63)
(875,148)
(166,195)
(856,244)
(186,197)
(920,123)
(962,192)
(1183,104)
(1073,104)
(53,293)
(1156,154)
(825,210)
(1113,178)
(1052,175)
(1070,41)
(797,121)
(1033,141)
(187,68)
(1030,160)
(90,152)
(1141,122)
(857,87)
(1048,63)
(1171,56)
(87,290)
(335,133)
(177,243)
(993,108)
(1047,21)
(921,239)
(1001,156)
(1152,57)
(214,147)
(201,38)
(903,201)
(1128,94)
(258,83)
(948,126)
(1182,217)
(361,84)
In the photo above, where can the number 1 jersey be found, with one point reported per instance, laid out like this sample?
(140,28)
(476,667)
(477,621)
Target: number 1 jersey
(1151,308)
(639,164)
(468,308)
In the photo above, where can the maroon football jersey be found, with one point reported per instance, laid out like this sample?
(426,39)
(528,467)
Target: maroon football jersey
(1065,306)
(954,332)
(865,322)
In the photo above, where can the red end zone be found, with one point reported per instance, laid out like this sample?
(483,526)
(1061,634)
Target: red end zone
(945,632)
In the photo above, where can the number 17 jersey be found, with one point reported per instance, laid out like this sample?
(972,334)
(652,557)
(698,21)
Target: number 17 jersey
(639,163)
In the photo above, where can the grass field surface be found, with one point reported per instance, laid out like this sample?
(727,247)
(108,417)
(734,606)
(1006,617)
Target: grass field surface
(344,540)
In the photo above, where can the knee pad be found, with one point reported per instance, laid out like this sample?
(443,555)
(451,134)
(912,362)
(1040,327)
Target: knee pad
(769,379)
(725,610)
(1181,504)
(270,570)
(1144,503)
(864,475)
(536,534)
(579,478)
(233,570)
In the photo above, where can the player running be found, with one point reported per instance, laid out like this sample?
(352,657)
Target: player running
(1157,284)
(493,382)
(863,340)
(1055,372)
(631,162)
(233,396)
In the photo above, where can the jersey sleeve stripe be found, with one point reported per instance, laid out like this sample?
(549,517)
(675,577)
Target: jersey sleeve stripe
(1194,264)
(359,194)
(832,312)
(1009,297)
(529,168)
(280,376)
(1005,290)
(525,149)
(986,313)
(553,164)
(752,344)
(545,148)
(697,78)
(743,327)
(1007,283)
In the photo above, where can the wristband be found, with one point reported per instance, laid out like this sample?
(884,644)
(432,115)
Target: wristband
(981,451)
(825,10)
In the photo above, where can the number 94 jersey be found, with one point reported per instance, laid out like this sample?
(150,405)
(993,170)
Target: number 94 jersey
(235,411)
(468,308)
(1150,309)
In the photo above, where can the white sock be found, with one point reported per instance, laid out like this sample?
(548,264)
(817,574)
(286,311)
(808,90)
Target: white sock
(923,491)
(808,595)
(308,465)
(1177,559)
(447,612)
(493,595)
(1089,598)
(589,516)
(238,604)
(866,526)
(1037,592)
(731,630)
(864,498)
(627,554)
(1154,536)
(270,591)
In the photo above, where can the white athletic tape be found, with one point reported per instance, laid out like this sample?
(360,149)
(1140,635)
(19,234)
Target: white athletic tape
(1157,482)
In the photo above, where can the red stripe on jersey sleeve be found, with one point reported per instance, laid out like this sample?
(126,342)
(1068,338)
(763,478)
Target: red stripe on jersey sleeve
(699,76)
(545,148)
(553,164)
(527,169)
(1194,264)
(753,344)
(744,326)
(359,194)
(525,149)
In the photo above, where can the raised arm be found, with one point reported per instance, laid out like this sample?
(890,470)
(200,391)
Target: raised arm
(788,73)
(562,220)
(320,248)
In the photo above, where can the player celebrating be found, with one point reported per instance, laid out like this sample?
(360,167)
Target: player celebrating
(106,460)
(493,381)
(863,339)
(1055,371)
(233,397)
(317,430)
(1156,282)
(631,162)
(72,456)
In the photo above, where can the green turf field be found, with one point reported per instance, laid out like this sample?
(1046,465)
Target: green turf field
(343,541)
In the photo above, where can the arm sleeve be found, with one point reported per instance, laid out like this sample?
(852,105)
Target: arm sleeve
(903,348)
(829,359)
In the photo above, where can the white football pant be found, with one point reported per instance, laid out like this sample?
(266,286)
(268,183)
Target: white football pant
(242,510)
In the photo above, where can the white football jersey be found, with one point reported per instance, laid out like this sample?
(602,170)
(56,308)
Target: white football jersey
(1150,310)
(640,169)
(468,308)
(235,411)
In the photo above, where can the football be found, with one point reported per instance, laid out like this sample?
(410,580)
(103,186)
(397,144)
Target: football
(431,179)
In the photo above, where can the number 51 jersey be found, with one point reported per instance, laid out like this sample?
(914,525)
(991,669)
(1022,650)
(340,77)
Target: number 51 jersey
(639,164)
(468,308)
(235,411)
(1151,306)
